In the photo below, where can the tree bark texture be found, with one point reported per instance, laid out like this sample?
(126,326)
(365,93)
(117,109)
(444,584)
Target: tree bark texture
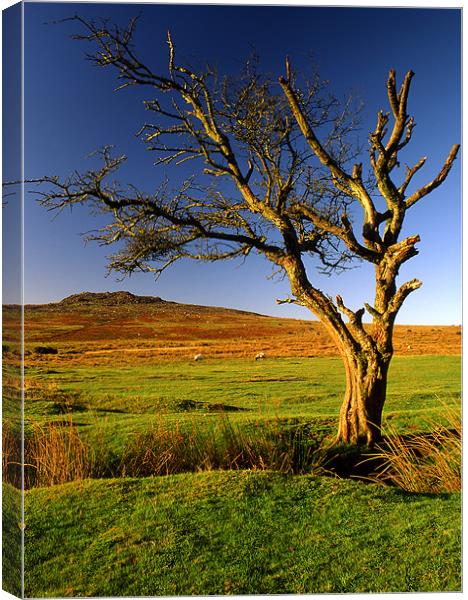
(361,412)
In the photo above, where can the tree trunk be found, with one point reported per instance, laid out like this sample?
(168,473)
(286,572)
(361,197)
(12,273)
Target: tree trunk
(366,386)
(366,356)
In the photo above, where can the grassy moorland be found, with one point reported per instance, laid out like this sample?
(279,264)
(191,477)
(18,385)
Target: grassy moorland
(238,533)
(123,329)
(243,501)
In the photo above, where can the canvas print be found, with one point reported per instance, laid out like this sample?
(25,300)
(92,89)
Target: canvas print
(231,300)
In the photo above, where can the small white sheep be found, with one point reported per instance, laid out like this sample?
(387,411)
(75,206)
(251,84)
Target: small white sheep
(198,357)
(260,356)
(408,347)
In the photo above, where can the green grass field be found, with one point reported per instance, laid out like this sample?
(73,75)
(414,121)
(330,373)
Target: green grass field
(233,531)
(128,399)
(238,533)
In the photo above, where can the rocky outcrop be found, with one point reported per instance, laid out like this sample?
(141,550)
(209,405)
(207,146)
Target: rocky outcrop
(109,299)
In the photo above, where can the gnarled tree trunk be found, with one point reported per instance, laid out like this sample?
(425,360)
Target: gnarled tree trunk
(366,384)
(366,353)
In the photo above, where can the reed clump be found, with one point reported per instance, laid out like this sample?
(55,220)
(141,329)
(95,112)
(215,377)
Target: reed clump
(426,462)
(164,450)
(59,452)
(54,454)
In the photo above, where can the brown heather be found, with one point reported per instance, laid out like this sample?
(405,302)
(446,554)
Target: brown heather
(93,334)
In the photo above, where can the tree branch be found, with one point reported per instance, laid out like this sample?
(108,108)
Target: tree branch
(401,294)
(401,116)
(392,93)
(344,233)
(428,188)
(355,320)
(410,173)
(354,185)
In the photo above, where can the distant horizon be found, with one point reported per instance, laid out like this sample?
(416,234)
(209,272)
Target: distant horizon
(308,317)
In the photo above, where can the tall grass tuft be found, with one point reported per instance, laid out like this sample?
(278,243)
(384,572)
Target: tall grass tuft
(55,454)
(11,454)
(164,450)
(428,462)
(58,452)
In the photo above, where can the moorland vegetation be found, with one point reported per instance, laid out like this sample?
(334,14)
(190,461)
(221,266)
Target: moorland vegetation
(149,472)
(136,453)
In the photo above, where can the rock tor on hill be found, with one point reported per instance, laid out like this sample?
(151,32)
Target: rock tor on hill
(109,299)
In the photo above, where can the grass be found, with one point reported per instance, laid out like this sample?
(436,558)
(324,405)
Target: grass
(235,531)
(219,414)
(12,539)
(424,462)
(428,461)
(239,504)
(130,399)
(238,533)
(57,452)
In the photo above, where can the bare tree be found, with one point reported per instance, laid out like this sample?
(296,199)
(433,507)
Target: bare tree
(278,176)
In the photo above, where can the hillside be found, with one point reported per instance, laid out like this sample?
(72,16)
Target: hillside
(107,299)
(109,325)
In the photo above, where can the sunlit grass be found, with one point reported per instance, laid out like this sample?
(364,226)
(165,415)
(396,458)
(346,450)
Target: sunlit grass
(238,532)
(425,462)
(308,387)
(247,419)
(206,478)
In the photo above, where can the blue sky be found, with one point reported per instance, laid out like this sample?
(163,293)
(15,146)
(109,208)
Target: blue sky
(71,110)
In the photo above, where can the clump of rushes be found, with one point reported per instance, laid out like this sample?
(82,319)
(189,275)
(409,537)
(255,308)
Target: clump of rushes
(167,449)
(58,452)
(54,454)
(11,453)
(428,462)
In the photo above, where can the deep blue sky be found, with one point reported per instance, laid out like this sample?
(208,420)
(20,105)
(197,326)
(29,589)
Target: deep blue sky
(71,110)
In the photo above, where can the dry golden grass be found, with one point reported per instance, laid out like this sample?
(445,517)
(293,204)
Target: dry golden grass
(92,334)
(168,449)
(57,453)
(424,462)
